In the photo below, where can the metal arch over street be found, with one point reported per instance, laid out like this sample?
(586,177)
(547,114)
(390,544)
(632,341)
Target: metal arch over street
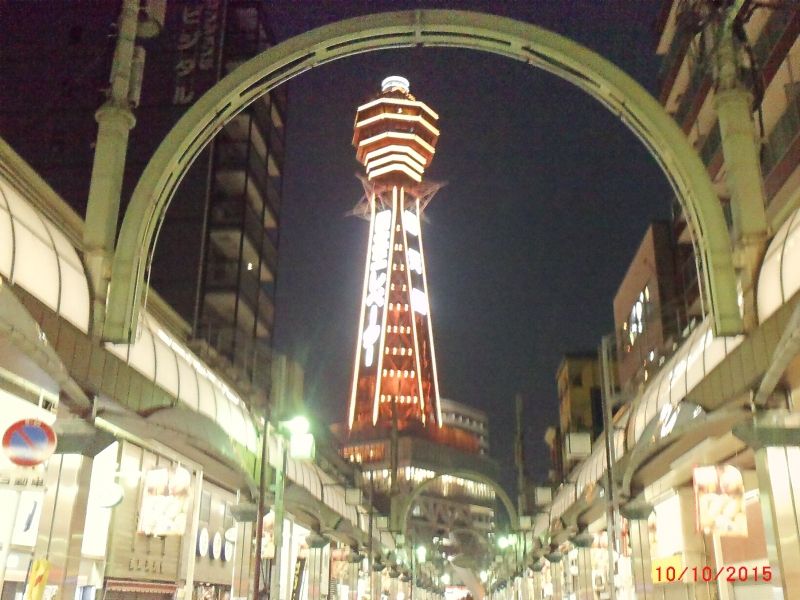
(423,28)
(401,505)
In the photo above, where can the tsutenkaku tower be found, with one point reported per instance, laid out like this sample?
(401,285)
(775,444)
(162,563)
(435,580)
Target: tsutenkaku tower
(394,379)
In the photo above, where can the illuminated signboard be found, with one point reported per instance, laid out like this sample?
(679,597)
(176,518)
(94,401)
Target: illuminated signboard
(166,501)
(719,498)
(376,287)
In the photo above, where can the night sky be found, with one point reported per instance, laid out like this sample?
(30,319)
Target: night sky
(548,197)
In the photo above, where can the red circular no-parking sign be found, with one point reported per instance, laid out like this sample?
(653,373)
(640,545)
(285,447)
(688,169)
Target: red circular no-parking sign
(29,442)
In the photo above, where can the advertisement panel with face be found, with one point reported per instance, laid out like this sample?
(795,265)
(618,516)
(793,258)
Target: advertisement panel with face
(166,501)
(719,500)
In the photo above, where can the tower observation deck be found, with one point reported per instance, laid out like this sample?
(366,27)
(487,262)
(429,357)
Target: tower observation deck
(394,378)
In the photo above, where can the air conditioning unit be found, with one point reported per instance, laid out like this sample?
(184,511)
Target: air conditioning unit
(577,445)
(542,495)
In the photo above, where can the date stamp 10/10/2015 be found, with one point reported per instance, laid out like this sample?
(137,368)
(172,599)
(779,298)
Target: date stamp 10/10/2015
(731,574)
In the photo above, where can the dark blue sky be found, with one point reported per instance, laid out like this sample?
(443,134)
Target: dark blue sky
(547,199)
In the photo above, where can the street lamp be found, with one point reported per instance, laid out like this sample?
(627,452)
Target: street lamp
(506,541)
(420,553)
(295,441)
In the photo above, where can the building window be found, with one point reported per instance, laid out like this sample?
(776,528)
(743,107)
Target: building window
(205,507)
(638,317)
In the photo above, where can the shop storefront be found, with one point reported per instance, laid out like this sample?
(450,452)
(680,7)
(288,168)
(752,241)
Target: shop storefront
(728,516)
(711,536)
(150,530)
(215,544)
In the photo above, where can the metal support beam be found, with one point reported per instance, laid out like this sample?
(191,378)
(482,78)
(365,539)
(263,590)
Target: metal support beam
(114,122)
(520,41)
(740,149)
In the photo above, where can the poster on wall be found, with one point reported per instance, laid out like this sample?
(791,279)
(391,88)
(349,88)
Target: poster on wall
(166,501)
(719,500)
(297,581)
(29,512)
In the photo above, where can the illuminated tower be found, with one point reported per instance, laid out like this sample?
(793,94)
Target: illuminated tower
(394,378)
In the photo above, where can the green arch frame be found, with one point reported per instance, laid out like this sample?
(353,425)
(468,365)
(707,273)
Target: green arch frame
(426,28)
(400,511)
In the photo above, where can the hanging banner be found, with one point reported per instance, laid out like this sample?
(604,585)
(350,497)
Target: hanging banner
(719,500)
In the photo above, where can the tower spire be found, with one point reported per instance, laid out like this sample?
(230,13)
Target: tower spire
(394,375)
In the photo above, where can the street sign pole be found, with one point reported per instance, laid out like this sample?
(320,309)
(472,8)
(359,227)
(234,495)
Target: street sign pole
(26,443)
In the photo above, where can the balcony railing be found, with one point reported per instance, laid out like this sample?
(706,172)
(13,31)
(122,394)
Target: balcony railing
(265,185)
(782,136)
(231,212)
(673,60)
(771,34)
(250,355)
(235,156)
(224,275)
(690,94)
(711,144)
(763,50)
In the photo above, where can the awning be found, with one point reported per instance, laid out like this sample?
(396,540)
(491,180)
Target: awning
(38,257)
(779,278)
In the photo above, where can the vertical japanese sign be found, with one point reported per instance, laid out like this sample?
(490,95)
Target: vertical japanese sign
(375,298)
(198,27)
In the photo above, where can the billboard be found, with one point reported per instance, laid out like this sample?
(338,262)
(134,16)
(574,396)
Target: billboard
(166,502)
(719,500)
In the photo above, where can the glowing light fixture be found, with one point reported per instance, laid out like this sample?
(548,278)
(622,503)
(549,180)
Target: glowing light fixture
(394,82)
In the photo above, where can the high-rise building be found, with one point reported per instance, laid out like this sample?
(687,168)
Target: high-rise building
(216,257)
(579,384)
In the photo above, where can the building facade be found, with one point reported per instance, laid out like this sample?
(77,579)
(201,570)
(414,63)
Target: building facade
(649,316)
(470,420)
(579,384)
(688,91)
(216,259)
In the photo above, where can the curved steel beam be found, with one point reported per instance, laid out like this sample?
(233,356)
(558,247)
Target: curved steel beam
(399,516)
(423,28)
(646,448)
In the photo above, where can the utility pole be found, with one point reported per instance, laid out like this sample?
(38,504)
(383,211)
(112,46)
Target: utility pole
(264,476)
(522,498)
(519,456)
(613,531)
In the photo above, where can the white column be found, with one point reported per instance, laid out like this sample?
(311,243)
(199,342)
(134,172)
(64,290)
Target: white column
(189,553)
